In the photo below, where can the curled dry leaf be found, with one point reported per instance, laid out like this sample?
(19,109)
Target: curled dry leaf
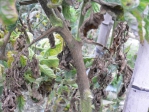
(86,8)
(65,59)
(8,100)
(91,23)
(34,65)
(99,71)
(51,40)
(20,43)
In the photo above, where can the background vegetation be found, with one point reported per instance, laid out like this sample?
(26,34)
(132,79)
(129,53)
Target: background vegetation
(47,54)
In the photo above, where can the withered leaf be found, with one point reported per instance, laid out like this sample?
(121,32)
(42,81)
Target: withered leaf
(51,40)
(91,23)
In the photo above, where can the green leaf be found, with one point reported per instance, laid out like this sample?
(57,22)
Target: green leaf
(47,71)
(29,78)
(66,11)
(1,92)
(52,52)
(147,29)
(1,42)
(1,75)
(23,60)
(95,79)
(20,103)
(31,53)
(87,58)
(70,74)
(11,27)
(51,96)
(96,7)
(8,13)
(127,49)
(52,61)
(58,78)
(62,89)
(55,21)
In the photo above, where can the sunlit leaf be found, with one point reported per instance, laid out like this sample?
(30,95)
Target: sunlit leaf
(47,71)
(10,58)
(51,61)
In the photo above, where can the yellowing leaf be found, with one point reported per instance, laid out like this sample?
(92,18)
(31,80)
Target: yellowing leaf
(54,1)
(1,71)
(38,15)
(1,41)
(10,58)
(2,34)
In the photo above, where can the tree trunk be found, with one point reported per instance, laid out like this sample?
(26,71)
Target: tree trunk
(138,93)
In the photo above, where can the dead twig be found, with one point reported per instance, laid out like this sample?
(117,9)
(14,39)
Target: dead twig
(48,32)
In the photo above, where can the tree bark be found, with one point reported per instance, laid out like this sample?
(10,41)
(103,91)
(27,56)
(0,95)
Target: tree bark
(82,79)
(75,48)
(138,93)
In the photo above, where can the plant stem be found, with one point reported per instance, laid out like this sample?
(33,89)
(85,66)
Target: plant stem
(75,48)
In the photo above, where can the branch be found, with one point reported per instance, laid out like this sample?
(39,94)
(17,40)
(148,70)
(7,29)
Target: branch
(95,43)
(76,51)
(50,31)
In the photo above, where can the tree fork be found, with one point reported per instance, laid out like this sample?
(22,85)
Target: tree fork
(75,49)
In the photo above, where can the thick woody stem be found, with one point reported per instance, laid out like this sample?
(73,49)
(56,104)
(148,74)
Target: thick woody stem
(75,48)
